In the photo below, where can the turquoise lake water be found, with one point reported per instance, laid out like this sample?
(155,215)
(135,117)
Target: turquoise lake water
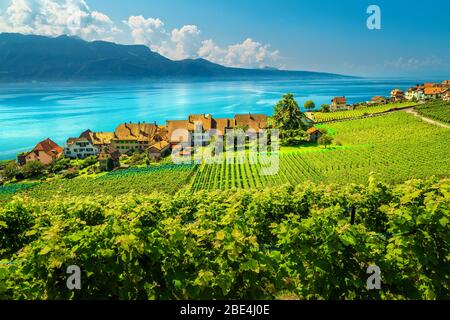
(31,113)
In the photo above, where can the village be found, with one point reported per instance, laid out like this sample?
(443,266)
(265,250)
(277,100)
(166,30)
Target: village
(157,142)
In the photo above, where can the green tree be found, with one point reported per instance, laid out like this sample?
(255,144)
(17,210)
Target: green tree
(309,105)
(293,137)
(325,108)
(325,140)
(287,114)
(33,169)
(11,170)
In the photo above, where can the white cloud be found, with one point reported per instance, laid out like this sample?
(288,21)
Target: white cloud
(56,17)
(248,54)
(74,17)
(186,42)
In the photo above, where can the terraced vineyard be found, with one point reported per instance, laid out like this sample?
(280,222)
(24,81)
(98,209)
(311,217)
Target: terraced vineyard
(363,111)
(438,110)
(396,147)
(165,178)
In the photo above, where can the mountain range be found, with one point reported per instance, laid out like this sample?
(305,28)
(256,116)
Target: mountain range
(25,58)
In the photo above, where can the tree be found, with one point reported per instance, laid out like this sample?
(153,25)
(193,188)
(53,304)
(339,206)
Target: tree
(309,105)
(325,140)
(293,137)
(325,108)
(287,114)
(11,170)
(59,165)
(33,169)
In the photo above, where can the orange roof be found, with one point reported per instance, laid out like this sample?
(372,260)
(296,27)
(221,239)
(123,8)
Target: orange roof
(136,131)
(205,119)
(434,90)
(161,145)
(378,98)
(339,100)
(49,147)
(396,92)
(312,130)
(252,121)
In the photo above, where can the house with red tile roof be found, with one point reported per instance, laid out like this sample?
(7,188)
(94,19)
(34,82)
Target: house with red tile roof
(434,92)
(338,104)
(397,95)
(379,100)
(45,152)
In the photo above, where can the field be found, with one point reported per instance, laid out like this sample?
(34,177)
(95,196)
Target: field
(396,147)
(438,110)
(166,178)
(360,112)
(277,243)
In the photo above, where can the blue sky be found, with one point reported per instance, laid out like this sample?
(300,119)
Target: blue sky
(322,35)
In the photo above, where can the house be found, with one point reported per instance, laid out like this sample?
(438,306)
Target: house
(446,84)
(109,159)
(223,124)
(379,100)
(446,96)
(98,139)
(158,150)
(45,152)
(397,95)
(80,148)
(195,130)
(179,131)
(338,104)
(415,93)
(434,92)
(130,137)
(255,122)
(314,134)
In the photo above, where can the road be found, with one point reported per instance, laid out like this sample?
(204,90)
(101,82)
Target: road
(414,112)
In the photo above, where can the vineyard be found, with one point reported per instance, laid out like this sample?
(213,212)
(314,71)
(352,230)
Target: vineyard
(438,110)
(361,112)
(165,178)
(308,242)
(397,147)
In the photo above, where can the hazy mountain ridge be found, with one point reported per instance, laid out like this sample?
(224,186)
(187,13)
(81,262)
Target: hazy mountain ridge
(64,58)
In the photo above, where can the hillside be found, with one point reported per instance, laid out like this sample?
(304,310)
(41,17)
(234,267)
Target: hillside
(37,58)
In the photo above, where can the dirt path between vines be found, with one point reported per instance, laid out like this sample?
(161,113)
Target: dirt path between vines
(414,112)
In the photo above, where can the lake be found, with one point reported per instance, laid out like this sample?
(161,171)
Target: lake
(32,112)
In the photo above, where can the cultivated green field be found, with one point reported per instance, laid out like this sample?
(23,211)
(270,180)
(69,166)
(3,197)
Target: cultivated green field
(396,147)
(166,178)
(360,112)
(438,110)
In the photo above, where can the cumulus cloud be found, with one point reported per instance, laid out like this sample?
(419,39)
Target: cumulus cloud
(249,53)
(75,17)
(186,42)
(56,17)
